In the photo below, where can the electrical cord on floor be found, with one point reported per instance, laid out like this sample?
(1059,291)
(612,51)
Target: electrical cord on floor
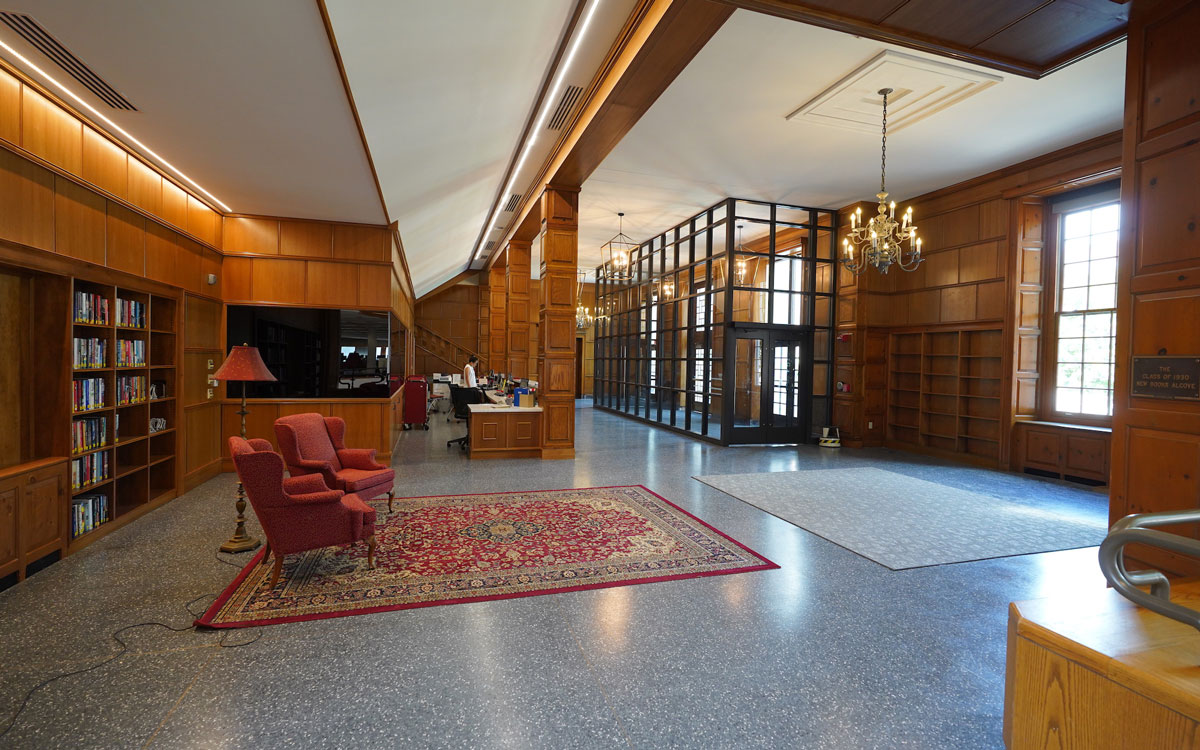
(116,636)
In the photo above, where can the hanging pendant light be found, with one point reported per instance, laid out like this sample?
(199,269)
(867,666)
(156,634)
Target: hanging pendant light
(583,315)
(741,263)
(617,254)
(882,242)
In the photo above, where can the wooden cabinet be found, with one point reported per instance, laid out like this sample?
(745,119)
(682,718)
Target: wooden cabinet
(33,501)
(1062,450)
(505,432)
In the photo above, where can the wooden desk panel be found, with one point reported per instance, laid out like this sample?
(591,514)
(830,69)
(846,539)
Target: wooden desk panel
(506,433)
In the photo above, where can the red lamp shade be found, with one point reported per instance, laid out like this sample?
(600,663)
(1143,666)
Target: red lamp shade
(244,363)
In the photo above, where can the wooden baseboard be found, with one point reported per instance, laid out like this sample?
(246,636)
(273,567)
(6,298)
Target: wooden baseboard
(202,475)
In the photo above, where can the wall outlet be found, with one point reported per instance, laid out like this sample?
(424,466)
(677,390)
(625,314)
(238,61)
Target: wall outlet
(210,392)
(210,364)
(870,425)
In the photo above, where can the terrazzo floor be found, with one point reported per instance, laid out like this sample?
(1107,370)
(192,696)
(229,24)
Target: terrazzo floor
(830,651)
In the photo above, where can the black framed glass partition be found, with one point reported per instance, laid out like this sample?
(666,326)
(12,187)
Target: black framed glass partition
(722,326)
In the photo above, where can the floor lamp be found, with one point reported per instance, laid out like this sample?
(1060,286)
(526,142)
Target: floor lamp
(243,364)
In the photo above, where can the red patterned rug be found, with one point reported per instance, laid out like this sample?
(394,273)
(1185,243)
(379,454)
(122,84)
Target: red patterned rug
(468,548)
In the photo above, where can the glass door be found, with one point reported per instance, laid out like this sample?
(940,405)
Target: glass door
(772,374)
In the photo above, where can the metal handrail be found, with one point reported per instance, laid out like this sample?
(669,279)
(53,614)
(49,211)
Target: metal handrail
(1139,528)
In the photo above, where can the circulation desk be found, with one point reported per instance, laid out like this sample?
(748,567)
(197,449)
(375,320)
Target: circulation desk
(500,431)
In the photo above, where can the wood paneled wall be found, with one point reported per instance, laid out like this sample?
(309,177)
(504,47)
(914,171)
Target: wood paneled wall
(1156,443)
(203,352)
(517,276)
(34,123)
(969,280)
(309,263)
(452,313)
(497,318)
(368,421)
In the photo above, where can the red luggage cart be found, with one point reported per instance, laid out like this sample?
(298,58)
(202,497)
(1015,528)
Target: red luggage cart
(416,395)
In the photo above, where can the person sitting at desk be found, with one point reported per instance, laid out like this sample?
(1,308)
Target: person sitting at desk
(469,373)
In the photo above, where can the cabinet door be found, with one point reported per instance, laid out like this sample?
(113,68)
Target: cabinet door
(489,431)
(10,493)
(525,431)
(41,512)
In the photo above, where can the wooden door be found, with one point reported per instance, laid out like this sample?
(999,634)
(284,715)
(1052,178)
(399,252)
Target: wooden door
(10,559)
(41,513)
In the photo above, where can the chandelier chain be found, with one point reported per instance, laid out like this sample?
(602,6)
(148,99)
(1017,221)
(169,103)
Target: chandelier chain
(883,159)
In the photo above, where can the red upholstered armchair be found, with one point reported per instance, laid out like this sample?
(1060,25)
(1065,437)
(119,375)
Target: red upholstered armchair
(313,444)
(298,513)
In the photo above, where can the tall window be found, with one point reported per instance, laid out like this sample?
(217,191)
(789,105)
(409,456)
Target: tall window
(1086,311)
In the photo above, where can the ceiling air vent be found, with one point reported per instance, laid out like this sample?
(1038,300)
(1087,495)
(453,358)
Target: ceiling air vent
(565,105)
(488,247)
(512,202)
(32,32)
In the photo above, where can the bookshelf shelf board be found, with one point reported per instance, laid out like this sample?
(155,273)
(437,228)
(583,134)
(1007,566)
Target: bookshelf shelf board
(939,435)
(938,393)
(102,326)
(161,330)
(979,377)
(132,367)
(162,432)
(907,372)
(97,410)
(984,439)
(931,354)
(941,413)
(128,440)
(164,398)
(904,406)
(160,458)
(131,403)
(93,369)
(89,452)
(162,496)
(88,533)
(131,328)
(986,419)
(980,356)
(89,487)
(130,470)
(971,395)
(906,390)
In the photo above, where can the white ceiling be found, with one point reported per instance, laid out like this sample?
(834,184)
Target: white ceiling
(444,90)
(720,130)
(244,97)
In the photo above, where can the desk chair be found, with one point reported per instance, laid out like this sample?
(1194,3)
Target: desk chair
(463,398)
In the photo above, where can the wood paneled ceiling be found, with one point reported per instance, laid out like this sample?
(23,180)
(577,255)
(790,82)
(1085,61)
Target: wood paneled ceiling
(1028,37)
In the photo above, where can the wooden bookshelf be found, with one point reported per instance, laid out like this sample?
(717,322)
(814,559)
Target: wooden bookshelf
(134,469)
(944,391)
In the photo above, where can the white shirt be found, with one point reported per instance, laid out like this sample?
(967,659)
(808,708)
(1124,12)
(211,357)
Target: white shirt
(470,373)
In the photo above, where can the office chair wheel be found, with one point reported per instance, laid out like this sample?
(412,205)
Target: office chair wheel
(407,426)
(426,426)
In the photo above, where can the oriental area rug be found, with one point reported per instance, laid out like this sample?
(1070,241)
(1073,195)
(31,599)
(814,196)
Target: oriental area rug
(903,522)
(468,548)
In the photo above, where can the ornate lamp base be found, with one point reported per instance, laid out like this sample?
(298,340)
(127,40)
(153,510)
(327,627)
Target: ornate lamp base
(240,541)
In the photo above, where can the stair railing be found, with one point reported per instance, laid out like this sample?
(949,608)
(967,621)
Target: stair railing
(1139,528)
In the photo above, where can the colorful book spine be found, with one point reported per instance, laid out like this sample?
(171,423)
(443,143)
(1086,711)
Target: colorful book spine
(88,512)
(131,353)
(88,434)
(90,353)
(89,393)
(131,314)
(131,389)
(88,470)
(91,308)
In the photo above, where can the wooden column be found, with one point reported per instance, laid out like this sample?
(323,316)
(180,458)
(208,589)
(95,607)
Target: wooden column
(484,302)
(1156,441)
(497,328)
(516,287)
(556,329)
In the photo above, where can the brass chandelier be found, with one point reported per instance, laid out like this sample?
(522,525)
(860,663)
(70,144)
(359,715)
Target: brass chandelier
(583,315)
(883,241)
(617,254)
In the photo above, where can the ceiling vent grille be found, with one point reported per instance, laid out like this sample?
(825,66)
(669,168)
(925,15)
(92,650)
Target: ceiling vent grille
(566,105)
(488,247)
(32,32)
(512,202)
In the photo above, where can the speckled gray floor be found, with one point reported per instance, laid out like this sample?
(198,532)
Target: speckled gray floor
(830,651)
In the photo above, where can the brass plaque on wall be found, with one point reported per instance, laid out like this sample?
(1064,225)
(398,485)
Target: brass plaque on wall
(1176,378)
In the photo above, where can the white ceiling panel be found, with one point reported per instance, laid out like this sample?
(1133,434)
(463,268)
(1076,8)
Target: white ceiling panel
(244,97)
(444,90)
(721,130)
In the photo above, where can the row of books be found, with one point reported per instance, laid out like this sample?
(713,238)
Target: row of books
(90,308)
(90,353)
(88,512)
(88,394)
(131,353)
(89,433)
(89,469)
(131,389)
(131,314)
